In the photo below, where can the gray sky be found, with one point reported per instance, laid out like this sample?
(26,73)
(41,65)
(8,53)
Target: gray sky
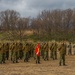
(32,7)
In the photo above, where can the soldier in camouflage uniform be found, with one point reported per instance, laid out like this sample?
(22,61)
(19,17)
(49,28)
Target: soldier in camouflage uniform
(20,50)
(1,53)
(32,49)
(15,53)
(46,56)
(70,49)
(34,55)
(26,52)
(13,56)
(42,50)
(55,51)
(51,50)
(12,49)
(74,49)
(7,50)
(62,54)
(29,49)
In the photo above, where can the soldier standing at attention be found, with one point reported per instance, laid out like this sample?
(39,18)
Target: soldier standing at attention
(26,53)
(42,50)
(70,49)
(37,51)
(20,50)
(62,54)
(55,51)
(27,49)
(7,50)
(15,53)
(13,56)
(31,49)
(12,50)
(1,53)
(46,52)
(51,50)
(74,49)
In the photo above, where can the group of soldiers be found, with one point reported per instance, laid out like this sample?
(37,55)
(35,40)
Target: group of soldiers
(16,51)
(54,48)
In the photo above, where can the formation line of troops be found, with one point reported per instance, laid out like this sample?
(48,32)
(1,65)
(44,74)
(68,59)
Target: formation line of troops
(16,51)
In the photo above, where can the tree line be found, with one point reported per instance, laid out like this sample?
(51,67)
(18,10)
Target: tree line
(49,24)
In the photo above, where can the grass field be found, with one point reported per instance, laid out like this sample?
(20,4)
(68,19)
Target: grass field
(50,67)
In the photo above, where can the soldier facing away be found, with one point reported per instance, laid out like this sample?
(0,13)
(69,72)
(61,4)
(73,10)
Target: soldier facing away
(70,49)
(37,51)
(62,54)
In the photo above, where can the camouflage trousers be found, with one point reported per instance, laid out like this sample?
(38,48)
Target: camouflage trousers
(3,57)
(7,55)
(69,52)
(62,59)
(26,56)
(15,57)
(20,54)
(0,58)
(54,55)
(46,57)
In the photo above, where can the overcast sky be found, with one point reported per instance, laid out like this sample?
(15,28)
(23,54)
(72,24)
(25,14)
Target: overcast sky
(32,7)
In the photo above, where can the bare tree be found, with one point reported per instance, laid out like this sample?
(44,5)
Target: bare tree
(9,20)
(22,26)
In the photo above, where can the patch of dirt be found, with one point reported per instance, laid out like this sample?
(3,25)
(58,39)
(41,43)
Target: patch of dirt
(50,67)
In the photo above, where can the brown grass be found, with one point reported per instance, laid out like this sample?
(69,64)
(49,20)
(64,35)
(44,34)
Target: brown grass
(50,67)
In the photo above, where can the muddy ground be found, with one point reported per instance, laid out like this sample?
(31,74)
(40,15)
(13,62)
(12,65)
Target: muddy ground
(50,67)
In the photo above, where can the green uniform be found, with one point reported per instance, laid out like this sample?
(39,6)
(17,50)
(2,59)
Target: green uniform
(62,54)
(20,50)
(42,51)
(12,50)
(31,50)
(70,49)
(7,51)
(26,53)
(15,53)
(3,53)
(46,52)
(55,51)
(0,55)
(51,50)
